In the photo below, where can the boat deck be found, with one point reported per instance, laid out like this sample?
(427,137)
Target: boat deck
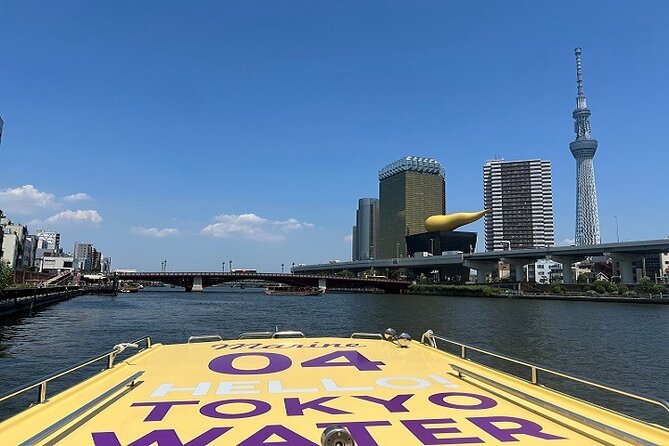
(287,391)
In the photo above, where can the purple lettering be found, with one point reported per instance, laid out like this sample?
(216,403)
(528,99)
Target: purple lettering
(395,404)
(354,358)
(483,401)
(358,430)
(160,437)
(295,407)
(427,435)
(291,438)
(525,427)
(259,408)
(223,364)
(161,408)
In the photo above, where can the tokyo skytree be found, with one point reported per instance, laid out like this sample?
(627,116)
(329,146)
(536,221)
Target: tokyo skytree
(583,148)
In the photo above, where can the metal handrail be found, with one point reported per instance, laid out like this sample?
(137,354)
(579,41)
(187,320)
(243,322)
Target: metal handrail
(364,335)
(287,334)
(204,338)
(256,335)
(41,383)
(535,369)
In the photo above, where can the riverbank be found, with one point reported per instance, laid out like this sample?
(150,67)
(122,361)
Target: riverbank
(24,300)
(489,291)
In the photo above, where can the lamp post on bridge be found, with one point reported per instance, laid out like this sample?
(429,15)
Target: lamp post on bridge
(282,268)
(230,269)
(292,268)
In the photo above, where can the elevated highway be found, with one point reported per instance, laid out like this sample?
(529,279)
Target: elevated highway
(197,281)
(483,262)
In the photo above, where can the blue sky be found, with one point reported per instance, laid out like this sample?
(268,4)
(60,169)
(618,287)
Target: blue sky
(202,132)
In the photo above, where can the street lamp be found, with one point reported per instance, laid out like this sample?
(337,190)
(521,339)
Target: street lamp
(397,250)
(282,268)
(617,234)
(508,244)
(292,268)
(432,246)
(230,269)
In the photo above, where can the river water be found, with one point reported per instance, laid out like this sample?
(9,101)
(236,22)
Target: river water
(626,345)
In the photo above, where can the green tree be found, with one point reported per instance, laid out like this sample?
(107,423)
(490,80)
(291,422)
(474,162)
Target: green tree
(645,285)
(6,275)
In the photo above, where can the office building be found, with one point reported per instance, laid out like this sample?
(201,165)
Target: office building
(13,241)
(544,271)
(583,149)
(48,240)
(410,190)
(83,256)
(519,199)
(366,229)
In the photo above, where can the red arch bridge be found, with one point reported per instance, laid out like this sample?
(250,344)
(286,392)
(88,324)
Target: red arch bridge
(198,281)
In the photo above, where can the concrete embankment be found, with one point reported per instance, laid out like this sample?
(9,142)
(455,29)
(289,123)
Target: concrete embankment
(483,291)
(24,300)
(628,300)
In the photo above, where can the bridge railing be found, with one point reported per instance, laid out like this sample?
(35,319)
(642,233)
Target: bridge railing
(253,275)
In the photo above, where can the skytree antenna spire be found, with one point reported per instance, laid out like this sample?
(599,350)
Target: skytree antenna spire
(583,149)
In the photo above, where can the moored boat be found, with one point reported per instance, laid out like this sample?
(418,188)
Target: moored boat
(281,388)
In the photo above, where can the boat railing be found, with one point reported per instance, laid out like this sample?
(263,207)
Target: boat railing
(430,339)
(204,338)
(271,334)
(41,383)
(365,335)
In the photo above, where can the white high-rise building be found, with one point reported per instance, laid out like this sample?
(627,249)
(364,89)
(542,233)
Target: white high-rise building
(519,198)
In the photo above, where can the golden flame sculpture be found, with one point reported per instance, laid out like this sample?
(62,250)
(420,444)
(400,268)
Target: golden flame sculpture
(449,222)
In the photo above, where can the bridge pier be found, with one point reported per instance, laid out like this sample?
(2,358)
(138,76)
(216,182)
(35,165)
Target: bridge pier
(567,262)
(626,267)
(196,286)
(518,267)
(482,268)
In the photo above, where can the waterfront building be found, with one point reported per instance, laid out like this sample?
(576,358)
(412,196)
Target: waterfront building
(29,250)
(583,149)
(10,250)
(544,271)
(83,256)
(57,264)
(410,190)
(653,266)
(519,198)
(48,239)
(366,229)
(13,242)
(96,260)
(105,265)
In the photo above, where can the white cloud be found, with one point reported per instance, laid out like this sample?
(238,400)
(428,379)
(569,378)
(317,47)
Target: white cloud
(567,242)
(253,227)
(154,232)
(348,238)
(26,200)
(80,196)
(78,216)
